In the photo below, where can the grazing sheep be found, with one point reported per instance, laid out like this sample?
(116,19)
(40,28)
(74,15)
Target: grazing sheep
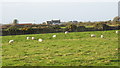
(40,40)
(33,38)
(117,32)
(11,41)
(54,36)
(66,32)
(28,38)
(116,49)
(102,36)
(93,35)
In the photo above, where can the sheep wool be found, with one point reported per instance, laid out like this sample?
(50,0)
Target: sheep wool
(102,36)
(93,35)
(11,41)
(54,36)
(28,38)
(40,40)
(117,32)
(66,32)
(33,38)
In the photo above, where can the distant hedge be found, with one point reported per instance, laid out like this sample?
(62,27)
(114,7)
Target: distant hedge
(13,30)
(101,26)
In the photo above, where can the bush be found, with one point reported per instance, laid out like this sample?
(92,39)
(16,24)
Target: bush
(24,29)
(81,28)
(13,28)
(56,27)
(101,26)
(71,27)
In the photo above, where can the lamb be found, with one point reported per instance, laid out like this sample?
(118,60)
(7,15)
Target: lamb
(102,36)
(117,32)
(40,40)
(11,41)
(66,32)
(54,36)
(33,38)
(93,35)
(28,38)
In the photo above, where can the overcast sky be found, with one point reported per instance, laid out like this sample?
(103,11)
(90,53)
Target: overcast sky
(60,0)
(65,10)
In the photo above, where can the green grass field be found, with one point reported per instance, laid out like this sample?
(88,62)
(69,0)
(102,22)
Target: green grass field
(73,49)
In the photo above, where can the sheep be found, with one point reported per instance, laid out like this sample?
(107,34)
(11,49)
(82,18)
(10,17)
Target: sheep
(28,38)
(40,40)
(33,38)
(93,35)
(66,32)
(11,41)
(54,36)
(102,36)
(117,32)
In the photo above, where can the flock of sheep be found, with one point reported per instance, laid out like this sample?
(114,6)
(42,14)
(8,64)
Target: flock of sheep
(66,32)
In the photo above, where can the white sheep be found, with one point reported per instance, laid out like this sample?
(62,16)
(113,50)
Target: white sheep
(40,40)
(102,36)
(66,32)
(117,32)
(93,35)
(54,36)
(28,38)
(33,38)
(11,41)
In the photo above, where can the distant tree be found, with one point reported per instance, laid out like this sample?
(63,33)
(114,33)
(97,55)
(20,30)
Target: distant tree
(15,21)
(44,23)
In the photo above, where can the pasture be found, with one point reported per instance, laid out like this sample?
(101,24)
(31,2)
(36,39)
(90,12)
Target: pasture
(72,49)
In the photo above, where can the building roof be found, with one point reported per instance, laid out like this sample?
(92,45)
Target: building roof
(25,24)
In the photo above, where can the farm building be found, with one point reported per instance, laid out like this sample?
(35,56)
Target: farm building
(73,21)
(53,22)
(24,24)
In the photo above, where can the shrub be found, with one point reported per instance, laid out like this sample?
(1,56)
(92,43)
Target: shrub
(81,28)
(24,29)
(71,27)
(101,26)
(56,27)
(116,20)
(12,28)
